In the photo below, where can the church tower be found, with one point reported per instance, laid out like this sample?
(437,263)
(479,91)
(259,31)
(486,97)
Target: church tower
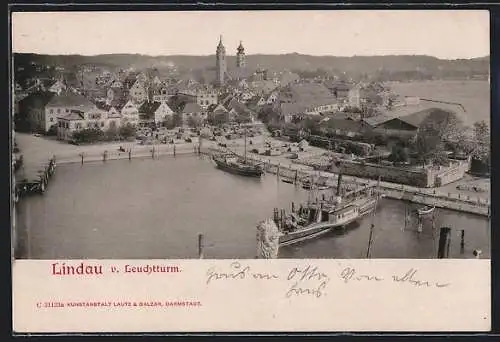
(220,63)
(240,56)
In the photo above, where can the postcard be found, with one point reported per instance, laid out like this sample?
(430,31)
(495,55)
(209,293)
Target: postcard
(251,171)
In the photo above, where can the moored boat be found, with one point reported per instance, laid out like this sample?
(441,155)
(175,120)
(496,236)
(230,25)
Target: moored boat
(237,166)
(425,210)
(232,163)
(287,180)
(316,218)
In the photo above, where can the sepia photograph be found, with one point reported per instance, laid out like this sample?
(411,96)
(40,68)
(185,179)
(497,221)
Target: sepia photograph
(251,135)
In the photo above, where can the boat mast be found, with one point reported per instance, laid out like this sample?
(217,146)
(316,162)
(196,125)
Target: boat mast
(372,225)
(245,154)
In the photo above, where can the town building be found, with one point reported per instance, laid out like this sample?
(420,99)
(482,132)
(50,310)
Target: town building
(203,96)
(300,100)
(77,120)
(130,113)
(154,112)
(60,105)
(138,92)
(192,110)
(116,95)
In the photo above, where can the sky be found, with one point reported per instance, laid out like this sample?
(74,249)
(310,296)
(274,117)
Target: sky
(441,33)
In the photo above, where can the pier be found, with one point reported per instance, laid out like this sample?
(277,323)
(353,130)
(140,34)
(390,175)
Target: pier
(33,177)
(431,197)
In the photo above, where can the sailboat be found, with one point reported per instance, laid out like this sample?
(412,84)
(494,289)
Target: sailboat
(233,163)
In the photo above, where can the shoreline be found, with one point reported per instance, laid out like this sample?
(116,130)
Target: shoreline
(450,199)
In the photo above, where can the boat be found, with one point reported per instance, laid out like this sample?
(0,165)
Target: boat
(317,218)
(287,180)
(320,184)
(306,184)
(235,164)
(425,210)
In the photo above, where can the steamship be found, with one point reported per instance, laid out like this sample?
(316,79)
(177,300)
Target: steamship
(321,216)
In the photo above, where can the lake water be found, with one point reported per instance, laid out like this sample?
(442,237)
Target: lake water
(156,208)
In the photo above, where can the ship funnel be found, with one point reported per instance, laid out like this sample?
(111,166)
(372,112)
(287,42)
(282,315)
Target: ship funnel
(339,183)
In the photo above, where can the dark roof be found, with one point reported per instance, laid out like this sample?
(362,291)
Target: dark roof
(103,106)
(377,120)
(73,115)
(337,85)
(263,87)
(129,81)
(217,109)
(416,119)
(191,107)
(149,108)
(344,124)
(292,108)
(70,100)
(119,103)
(254,101)
(37,98)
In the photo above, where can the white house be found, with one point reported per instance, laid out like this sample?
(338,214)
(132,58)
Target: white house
(77,120)
(154,112)
(162,112)
(60,105)
(272,98)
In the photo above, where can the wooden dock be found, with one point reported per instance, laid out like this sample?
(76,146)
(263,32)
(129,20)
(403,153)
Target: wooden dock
(431,197)
(34,177)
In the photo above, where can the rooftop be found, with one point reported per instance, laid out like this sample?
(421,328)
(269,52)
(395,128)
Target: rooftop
(191,108)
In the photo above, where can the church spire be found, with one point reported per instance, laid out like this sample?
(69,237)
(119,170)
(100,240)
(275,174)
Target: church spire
(240,56)
(241,49)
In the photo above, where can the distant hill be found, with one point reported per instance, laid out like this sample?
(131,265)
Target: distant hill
(357,65)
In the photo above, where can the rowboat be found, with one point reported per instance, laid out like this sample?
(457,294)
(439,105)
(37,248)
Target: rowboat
(425,210)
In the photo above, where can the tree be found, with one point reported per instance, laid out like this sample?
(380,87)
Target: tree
(127,131)
(399,154)
(481,148)
(111,134)
(220,119)
(52,130)
(172,121)
(243,118)
(267,114)
(194,122)
(177,119)
(311,125)
(88,135)
(439,126)
(168,122)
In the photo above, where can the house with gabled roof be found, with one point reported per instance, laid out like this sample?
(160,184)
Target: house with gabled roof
(78,119)
(138,92)
(154,112)
(115,95)
(130,113)
(60,105)
(193,110)
(217,110)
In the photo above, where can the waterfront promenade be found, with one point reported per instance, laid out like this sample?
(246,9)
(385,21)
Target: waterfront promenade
(38,150)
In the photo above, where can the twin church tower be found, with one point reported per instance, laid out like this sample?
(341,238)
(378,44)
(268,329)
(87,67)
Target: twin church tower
(221,65)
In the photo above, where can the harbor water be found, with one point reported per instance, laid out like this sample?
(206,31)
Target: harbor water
(155,209)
